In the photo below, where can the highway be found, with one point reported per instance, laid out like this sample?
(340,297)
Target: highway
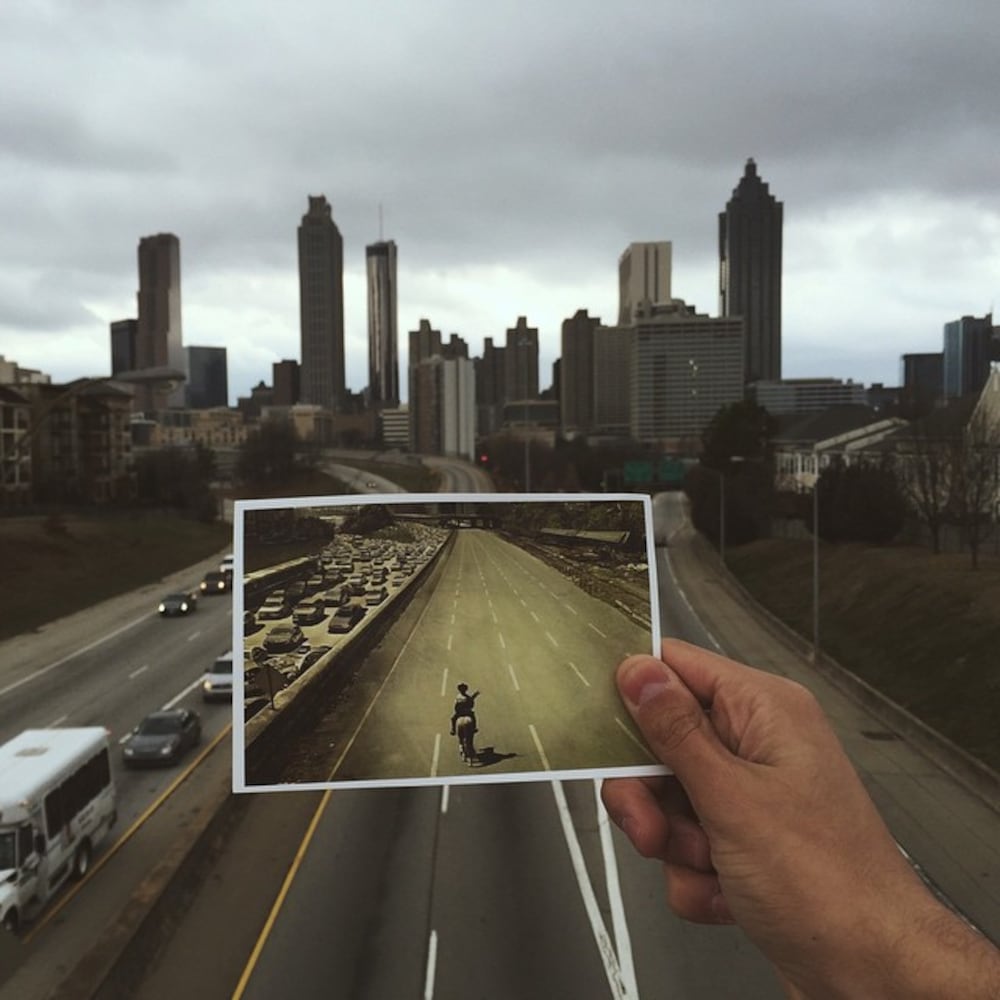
(534,645)
(495,890)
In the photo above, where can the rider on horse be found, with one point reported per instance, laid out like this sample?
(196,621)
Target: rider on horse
(465,704)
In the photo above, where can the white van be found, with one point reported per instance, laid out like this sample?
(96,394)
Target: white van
(218,682)
(57,803)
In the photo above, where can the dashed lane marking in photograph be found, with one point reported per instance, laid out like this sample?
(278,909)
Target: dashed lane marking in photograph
(642,746)
(571,609)
(58,722)
(551,638)
(430,974)
(597,630)
(194,635)
(513,676)
(538,747)
(444,682)
(449,642)
(577,672)
(138,670)
(436,756)
(496,621)
(533,615)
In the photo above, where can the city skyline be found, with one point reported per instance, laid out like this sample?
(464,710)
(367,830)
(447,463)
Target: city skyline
(512,195)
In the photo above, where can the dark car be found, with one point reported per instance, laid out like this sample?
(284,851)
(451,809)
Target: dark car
(273,608)
(162,737)
(308,614)
(345,618)
(178,604)
(215,582)
(282,638)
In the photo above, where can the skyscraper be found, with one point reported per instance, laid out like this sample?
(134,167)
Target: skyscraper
(521,362)
(576,395)
(643,275)
(383,346)
(124,333)
(207,378)
(159,340)
(750,271)
(321,306)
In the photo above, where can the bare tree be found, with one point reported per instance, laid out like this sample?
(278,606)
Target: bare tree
(975,474)
(925,475)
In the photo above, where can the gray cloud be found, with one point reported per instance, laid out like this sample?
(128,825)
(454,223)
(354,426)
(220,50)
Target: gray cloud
(514,136)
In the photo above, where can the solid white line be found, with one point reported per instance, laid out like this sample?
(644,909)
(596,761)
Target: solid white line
(70,656)
(444,799)
(597,630)
(135,673)
(551,639)
(432,947)
(623,941)
(513,677)
(578,674)
(619,988)
(538,747)
(436,757)
(52,725)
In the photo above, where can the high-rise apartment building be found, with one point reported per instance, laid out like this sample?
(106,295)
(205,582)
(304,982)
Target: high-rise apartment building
(750,271)
(159,342)
(383,337)
(321,306)
(684,367)
(643,276)
(443,407)
(576,392)
(969,348)
(207,378)
(521,362)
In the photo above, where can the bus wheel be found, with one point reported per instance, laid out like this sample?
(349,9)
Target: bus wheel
(81,863)
(10,921)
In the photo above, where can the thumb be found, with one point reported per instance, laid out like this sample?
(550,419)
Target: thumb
(673,721)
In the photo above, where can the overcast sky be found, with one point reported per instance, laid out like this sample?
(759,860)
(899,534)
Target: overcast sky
(516,148)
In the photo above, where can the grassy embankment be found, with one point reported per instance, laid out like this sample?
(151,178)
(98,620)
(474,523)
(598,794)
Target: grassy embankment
(923,629)
(52,567)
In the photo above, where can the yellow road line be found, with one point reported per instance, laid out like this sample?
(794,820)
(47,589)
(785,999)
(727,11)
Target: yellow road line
(63,901)
(280,898)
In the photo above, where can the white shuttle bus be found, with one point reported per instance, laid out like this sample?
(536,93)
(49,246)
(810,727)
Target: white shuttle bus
(57,803)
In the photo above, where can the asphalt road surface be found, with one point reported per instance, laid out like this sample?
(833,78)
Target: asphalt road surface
(493,891)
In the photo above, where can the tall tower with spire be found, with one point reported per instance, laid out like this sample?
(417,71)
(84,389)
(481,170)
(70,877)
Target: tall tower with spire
(750,271)
(321,306)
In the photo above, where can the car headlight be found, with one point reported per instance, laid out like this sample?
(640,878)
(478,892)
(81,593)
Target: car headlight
(168,749)
(206,685)
(129,752)
(163,608)
(184,606)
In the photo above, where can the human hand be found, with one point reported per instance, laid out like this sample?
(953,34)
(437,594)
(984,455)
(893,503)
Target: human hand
(765,822)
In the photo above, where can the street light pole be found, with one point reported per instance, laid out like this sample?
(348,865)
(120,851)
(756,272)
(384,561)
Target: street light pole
(527,452)
(815,650)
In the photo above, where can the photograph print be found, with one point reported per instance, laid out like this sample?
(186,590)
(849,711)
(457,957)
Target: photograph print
(415,639)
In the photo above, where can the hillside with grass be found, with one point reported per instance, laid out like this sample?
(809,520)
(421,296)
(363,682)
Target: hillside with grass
(923,629)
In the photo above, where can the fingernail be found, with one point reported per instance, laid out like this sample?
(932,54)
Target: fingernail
(643,679)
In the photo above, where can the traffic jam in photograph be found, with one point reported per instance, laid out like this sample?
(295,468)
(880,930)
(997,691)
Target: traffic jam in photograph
(412,640)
